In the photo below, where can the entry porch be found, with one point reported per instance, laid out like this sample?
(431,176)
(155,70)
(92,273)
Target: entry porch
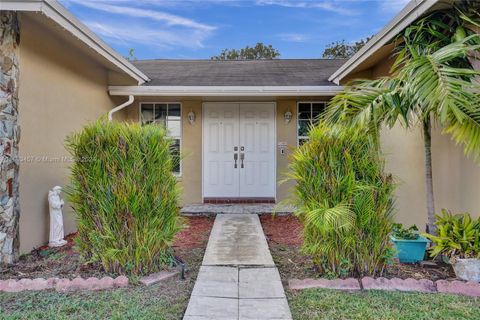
(237,208)
(234,150)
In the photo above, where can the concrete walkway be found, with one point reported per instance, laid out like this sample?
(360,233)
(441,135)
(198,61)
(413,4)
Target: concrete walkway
(237,239)
(238,278)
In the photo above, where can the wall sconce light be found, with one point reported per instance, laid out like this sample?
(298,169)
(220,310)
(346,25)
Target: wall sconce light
(191,117)
(288,116)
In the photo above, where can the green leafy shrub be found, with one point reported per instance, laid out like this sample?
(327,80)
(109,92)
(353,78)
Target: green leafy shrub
(124,195)
(458,236)
(402,233)
(344,201)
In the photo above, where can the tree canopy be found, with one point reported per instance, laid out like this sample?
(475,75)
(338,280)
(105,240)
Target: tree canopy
(258,52)
(342,49)
(131,55)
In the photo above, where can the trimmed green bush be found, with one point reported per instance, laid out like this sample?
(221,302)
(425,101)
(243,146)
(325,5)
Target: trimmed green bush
(124,195)
(344,201)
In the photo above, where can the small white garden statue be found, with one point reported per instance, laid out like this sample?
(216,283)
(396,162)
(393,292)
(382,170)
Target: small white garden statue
(56,218)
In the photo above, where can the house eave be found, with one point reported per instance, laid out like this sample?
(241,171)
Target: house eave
(224,91)
(66,20)
(411,12)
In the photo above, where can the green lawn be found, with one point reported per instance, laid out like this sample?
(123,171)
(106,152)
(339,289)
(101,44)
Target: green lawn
(137,302)
(330,304)
(165,302)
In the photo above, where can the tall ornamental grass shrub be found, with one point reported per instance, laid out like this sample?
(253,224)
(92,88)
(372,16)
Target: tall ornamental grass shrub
(124,195)
(344,200)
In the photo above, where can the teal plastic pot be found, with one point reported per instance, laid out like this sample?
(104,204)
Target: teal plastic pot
(410,251)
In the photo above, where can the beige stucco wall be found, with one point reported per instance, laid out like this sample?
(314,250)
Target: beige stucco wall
(60,91)
(456,178)
(191,179)
(285,133)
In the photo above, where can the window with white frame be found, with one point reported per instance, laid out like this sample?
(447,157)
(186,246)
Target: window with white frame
(168,115)
(308,116)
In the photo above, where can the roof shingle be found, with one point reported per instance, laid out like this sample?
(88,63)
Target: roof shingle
(277,72)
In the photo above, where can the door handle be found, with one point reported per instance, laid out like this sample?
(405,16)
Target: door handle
(242,157)
(235,156)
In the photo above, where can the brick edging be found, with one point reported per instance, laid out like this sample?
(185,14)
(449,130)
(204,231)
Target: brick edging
(457,287)
(63,285)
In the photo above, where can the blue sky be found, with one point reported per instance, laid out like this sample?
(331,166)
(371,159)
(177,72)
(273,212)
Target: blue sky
(198,29)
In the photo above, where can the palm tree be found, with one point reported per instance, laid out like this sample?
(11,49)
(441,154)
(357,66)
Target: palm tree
(432,78)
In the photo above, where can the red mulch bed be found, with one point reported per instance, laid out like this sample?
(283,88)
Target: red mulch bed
(282,230)
(66,262)
(284,236)
(195,234)
(45,262)
(67,249)
(433,271)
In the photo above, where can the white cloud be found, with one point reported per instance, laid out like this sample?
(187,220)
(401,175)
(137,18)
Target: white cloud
(143,26)
(169,19)
(326,5)
(136,34)
(293,37)
(161,3)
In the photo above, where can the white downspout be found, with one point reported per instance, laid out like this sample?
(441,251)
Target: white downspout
(120,107)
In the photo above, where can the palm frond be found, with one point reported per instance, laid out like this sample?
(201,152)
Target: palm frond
(338,217)
(467,131)
(356,104)
(435,85)
(368,103)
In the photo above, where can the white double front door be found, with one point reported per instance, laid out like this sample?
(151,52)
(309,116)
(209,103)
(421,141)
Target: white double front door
(239,150)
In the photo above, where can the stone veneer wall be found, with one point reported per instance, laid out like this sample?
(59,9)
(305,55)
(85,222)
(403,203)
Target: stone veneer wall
(9,136)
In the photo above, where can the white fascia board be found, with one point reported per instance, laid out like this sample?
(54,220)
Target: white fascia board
(224,91)
(32,5)
(55,11)
(412,11)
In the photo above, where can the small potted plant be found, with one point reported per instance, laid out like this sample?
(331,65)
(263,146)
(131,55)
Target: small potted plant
(458,241)
(409,244)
